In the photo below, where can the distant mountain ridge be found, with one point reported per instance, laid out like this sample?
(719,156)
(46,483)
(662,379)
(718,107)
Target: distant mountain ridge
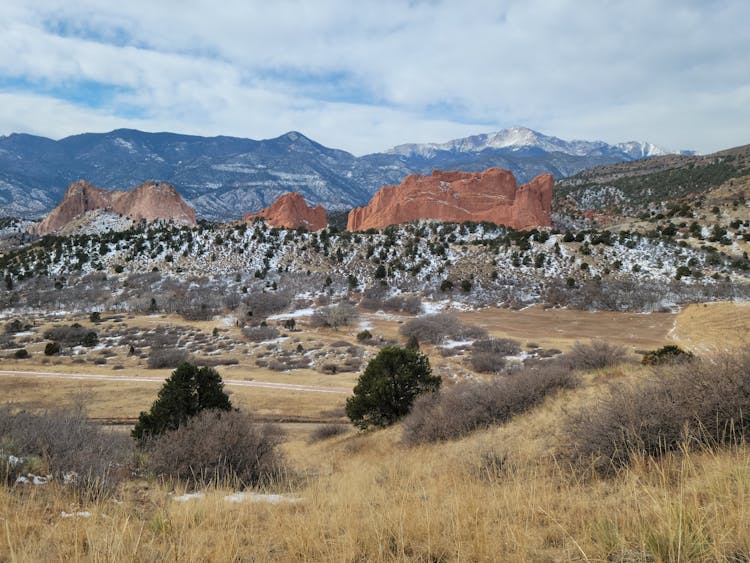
(225,177)
(517,137)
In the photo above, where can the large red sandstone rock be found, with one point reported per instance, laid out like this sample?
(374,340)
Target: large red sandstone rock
(290,211)
(492,195)
(150,201)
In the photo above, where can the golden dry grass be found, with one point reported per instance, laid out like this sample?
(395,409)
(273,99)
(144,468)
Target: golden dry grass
(709,327)
(561,328)
(496,495)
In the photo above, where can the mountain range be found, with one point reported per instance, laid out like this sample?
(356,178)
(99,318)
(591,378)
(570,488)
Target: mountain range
(224,177)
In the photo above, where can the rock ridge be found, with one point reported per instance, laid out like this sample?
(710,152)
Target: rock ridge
(150,201)
(290,211)
(492,195)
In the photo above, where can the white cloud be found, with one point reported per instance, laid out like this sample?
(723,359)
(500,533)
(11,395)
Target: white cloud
(364,76)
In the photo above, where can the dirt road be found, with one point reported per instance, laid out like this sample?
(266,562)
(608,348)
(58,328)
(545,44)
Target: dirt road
(130,379)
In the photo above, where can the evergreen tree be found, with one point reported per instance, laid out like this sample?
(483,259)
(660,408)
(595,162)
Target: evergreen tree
(387,388)
(185,393)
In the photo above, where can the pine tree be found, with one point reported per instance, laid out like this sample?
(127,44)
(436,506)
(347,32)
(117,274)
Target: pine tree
(386,390)
(185,393)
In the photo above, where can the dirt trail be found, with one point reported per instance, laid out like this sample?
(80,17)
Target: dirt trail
(130,379)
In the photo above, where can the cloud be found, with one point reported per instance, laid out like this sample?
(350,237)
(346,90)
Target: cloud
(364,76)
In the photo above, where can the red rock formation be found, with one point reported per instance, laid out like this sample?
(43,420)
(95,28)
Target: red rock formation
(150,201)
(290,211)
(492,195)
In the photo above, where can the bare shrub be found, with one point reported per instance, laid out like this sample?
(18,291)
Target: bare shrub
(67,444)
(329,368)
(161,358)
(327,431)
(503,346)
(334,316)
(697,405)
(197,312)
(468,406)
(219,447)
(260,333)
(73,335)
(262,304)
(404,304)
(597,354)
(488,355)
(17,325)
(375,298)
(437,327)
(487,362)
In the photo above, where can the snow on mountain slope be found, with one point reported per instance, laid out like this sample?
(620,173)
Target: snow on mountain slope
(517,137)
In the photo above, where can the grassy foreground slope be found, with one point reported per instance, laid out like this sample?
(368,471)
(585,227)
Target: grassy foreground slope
(504,493)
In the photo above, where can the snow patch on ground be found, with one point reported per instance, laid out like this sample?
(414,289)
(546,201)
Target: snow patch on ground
(433,307)
(32,479)
(82,514)
(456,343)
(13,460)
(292,314)
(188,496)
(260,497)
(243,497)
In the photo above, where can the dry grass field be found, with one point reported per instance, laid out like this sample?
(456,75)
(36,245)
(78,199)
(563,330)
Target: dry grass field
(708,327)
(504,493)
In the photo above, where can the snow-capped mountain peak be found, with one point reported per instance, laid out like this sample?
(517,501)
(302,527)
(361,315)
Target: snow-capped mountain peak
(642,149)
(523,137)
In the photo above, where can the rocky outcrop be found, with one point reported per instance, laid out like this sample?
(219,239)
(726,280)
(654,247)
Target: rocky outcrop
(290,211)
(492,195)
(149,201)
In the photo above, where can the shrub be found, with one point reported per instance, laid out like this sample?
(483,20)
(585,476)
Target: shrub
(403,304)
(487,362)
(387,388)
(218,446)
(260,333)
(701,404)
(375,298)
(595,355)
(197,312)
(437,327)
(472,405)
(21,354)
(16,325)
(364,335)
(446,285)
(326,431)
(185,393)
(263,304)
(669,354)
(488,355)
(334,316)
(51,349)
(161,358)
(66,443)
(73,335)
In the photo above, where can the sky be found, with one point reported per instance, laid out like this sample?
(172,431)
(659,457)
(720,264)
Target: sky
(364,76)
